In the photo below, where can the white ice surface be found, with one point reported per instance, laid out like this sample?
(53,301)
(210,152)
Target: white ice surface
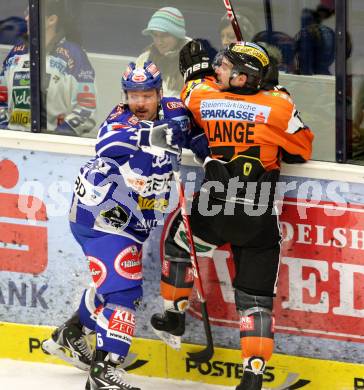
(18,375)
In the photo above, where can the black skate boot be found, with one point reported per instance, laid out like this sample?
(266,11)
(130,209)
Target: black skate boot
(169,326)
(250,381)
(69,343)
(105,374)
(253,374)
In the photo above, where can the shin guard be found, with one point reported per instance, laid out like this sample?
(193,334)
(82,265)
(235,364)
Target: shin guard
(256,327)
(256,334)
(176,284)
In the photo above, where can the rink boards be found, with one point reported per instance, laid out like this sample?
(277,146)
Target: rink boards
(319,307)
(154,358)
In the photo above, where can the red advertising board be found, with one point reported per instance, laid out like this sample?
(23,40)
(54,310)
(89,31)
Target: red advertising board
(23,244)
(321,282)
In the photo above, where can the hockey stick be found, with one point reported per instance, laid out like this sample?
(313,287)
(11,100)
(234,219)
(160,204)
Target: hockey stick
(206,354)
(234,21)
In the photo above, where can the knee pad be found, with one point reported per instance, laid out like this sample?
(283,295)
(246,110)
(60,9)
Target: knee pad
(245,301)
(90,305)
(256,324)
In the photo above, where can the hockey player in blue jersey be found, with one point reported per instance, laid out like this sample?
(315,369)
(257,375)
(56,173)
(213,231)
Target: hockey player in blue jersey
(119,197)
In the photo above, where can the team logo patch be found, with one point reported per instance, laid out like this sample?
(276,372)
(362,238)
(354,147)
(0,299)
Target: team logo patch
(128,263)
(98,270)
(117,217)
(139,77)
(121,326)
(256,365)
(246,324)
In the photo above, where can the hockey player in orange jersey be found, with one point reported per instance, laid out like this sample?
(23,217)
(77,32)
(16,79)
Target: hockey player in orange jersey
(248,128)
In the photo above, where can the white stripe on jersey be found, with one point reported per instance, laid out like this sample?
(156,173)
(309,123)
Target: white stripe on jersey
(118,143)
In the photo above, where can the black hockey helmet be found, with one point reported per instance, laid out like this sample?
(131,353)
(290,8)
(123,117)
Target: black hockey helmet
(250,59)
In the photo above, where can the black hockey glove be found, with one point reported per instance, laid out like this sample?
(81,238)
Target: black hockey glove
(194,62)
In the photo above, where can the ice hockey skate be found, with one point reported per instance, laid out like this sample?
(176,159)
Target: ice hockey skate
(105,374)
(253,374)
(169,327)
(69,343)
(250,381)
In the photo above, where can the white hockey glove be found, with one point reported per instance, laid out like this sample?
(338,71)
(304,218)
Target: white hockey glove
(166,135)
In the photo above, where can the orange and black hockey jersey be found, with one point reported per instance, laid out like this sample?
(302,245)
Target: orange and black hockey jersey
(259,125)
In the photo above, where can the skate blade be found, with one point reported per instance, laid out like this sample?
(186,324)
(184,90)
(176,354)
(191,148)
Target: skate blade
(52,348)
(171,340)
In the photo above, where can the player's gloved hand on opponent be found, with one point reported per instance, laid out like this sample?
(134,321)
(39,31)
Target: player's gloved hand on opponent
(174,133)
(194,62)
(200,147)
(166,135)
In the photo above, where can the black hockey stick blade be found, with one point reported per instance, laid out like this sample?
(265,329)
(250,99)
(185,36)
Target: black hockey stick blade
(206,354)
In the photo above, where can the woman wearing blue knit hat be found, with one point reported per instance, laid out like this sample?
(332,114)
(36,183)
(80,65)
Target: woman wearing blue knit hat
(168,31)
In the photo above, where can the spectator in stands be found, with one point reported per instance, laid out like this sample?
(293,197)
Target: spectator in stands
(12,29)
(168,31)
(315,42)
(282,45)
(68,101)
(227,34)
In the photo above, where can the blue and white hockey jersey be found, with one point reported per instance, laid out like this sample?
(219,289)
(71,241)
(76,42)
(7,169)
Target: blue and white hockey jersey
(68,90)
(125,189)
